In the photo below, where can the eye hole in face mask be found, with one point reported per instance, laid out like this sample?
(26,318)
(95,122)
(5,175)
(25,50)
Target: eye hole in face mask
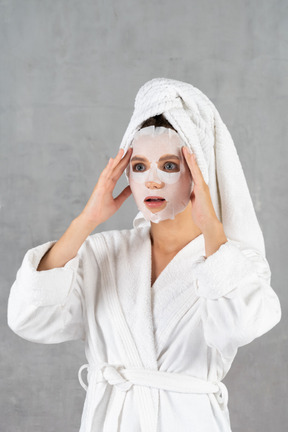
(174,167)
(167,166)
(139,167)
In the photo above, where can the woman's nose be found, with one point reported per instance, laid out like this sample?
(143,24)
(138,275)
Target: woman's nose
(154,185)
(152,180)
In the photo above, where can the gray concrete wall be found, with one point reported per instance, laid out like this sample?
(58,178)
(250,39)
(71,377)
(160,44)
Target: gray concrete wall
(70,71)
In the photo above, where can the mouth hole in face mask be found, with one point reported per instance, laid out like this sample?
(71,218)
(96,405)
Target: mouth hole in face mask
(155,199)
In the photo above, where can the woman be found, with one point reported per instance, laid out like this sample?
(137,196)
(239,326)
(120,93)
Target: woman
(162,307)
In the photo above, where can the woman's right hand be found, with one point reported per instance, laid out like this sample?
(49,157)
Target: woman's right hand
(101,204)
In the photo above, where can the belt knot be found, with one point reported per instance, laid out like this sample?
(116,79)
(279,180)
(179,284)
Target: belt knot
(113,376)
(107,373)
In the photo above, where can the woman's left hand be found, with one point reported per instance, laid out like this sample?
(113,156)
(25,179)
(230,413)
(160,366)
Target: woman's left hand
(203,211)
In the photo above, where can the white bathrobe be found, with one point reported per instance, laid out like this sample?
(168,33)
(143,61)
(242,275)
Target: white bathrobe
(156,355)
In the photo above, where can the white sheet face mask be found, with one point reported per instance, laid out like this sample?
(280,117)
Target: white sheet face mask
(157,169)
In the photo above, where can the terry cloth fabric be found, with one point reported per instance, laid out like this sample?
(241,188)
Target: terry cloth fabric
(199,124)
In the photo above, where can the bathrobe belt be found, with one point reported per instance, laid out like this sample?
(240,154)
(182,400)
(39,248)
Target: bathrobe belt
(124,378)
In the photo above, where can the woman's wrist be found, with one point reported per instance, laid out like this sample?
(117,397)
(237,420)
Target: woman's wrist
(214,237)
(212,226)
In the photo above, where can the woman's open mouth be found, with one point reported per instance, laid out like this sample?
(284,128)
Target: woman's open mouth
(155,202)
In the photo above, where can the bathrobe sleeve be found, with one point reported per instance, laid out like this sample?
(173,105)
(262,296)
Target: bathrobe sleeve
(237,301)
(47,306)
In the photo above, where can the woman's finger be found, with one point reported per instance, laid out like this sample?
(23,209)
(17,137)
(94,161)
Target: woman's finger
(113,161)
(123,196)
(193,166)
(115,168)
(122,164)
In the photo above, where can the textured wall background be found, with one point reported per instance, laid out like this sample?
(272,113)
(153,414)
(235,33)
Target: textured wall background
(70,71)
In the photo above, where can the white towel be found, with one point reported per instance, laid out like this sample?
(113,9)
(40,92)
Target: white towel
(199,124)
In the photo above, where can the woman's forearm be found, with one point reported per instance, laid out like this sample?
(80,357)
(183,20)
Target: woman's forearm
(68,245)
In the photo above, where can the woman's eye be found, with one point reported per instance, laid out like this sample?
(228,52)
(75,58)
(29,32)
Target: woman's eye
(139,167)
(170,166)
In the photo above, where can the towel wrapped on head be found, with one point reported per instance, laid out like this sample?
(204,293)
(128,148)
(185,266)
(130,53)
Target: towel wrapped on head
(200,126)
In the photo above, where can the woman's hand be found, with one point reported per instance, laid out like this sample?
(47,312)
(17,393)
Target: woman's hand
(203,211)
(101,205)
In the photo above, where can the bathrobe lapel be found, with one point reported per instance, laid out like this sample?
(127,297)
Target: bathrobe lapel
(173,294)
(130,314)
(134,289)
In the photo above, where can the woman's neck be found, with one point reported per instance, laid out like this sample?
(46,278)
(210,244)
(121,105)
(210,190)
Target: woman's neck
(169,236)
